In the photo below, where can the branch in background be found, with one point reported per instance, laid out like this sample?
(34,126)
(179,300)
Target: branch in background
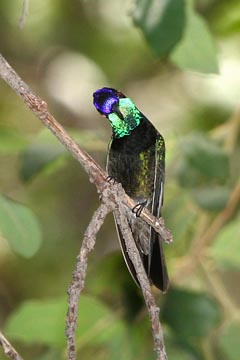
(113,197)
(207,236)
(206,239)
(8,349)
(215,283)
(24,14)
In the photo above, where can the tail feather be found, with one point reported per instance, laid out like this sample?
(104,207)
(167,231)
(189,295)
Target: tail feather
(158,269)
(157,272)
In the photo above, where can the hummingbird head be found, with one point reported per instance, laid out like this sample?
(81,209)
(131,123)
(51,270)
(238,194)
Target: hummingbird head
(120,110)
(106,100)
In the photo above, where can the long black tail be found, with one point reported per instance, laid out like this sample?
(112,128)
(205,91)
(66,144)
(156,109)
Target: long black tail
(157,274)
(158,269)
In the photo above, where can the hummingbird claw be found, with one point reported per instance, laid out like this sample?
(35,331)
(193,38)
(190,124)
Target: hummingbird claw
(110,179)
(137,209)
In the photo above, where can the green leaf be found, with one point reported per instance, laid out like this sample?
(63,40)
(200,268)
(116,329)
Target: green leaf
(139,335)
(190,314)
(43,322)
(187,175)
(212,198)
(98,325)
(42,152)
(19,226)
(177,353)
(181,224)
(11,141)
(104,274)
(39,321)
(37,157)
(112,267)
(205,156)
(229,341)
(196,51)
(226,247)
(51,354)
(227,18)
(48,154)
(162,23)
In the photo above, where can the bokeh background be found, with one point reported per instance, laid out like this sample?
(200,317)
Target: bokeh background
(180,63)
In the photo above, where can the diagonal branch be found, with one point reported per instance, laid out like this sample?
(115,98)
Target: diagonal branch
(96,174)
(79,275)
(8,349)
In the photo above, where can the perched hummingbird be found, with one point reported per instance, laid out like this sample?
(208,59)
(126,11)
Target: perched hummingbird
(136,159)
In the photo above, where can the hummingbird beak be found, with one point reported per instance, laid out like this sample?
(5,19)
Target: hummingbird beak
(116,110)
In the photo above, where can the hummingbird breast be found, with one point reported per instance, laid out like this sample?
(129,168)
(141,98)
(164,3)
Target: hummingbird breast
(131,161)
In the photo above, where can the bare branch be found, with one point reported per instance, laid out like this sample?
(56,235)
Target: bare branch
(24,14)
(96,174)
(79,275)
(134,255)
(8,349)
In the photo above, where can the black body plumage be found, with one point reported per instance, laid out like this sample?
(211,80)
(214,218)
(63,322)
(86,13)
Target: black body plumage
(136,159)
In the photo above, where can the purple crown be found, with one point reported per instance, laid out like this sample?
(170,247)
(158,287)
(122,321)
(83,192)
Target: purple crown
(104,100)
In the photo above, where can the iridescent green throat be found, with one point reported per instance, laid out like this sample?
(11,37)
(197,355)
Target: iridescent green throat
(131,118)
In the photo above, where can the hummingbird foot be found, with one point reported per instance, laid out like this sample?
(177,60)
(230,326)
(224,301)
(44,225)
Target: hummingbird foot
(137,209)
(111,180)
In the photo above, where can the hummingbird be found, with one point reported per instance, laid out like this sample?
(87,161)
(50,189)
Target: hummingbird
(136,159)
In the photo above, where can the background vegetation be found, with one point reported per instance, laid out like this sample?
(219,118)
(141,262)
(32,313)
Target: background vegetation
(180,62)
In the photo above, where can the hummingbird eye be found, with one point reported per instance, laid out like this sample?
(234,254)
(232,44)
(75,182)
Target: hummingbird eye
(120,94)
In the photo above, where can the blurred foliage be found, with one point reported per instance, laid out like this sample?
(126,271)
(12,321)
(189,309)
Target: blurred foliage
(196,50)
(19,227)
(156,19)
(65,51)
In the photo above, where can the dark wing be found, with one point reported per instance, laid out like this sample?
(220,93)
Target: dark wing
(110,167)
(152,253)
(156,261)
(159,176)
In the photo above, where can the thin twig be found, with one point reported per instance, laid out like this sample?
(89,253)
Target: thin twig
(215,283)
(24,14)
(152,308)
(217,224)
(8,349)
(200,245)
(79,275)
